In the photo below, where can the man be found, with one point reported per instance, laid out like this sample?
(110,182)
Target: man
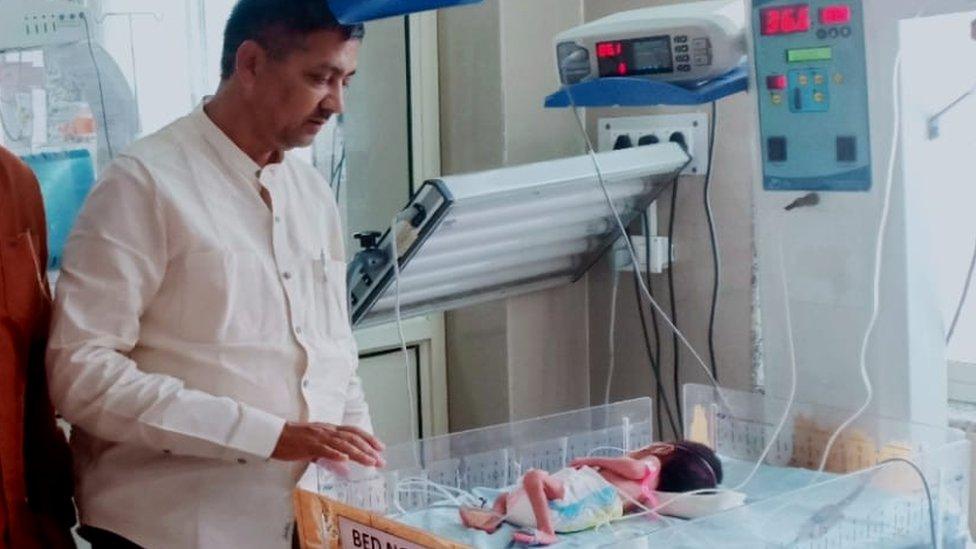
(201,345)
(35,463)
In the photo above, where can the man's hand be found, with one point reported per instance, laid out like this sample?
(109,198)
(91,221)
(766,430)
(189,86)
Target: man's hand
(315,441)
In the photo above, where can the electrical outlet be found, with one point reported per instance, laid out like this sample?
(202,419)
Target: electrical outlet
(660,262)
(633,131)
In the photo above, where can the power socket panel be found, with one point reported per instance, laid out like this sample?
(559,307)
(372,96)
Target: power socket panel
(660,262)
(661,128)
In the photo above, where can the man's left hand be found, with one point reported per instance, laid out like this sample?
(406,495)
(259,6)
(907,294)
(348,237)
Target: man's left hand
(315,441)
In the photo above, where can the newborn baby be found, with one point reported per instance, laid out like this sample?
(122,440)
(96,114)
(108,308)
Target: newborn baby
(594,491)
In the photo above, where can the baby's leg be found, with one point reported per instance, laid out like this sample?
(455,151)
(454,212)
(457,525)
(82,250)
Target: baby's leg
(540,489)
(482,519)
(501,505)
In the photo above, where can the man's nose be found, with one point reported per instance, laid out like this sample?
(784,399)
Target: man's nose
(335,101)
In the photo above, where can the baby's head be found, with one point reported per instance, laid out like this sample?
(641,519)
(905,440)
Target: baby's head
(684,466)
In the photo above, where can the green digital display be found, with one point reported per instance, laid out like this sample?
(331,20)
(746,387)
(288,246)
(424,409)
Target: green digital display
(807,55)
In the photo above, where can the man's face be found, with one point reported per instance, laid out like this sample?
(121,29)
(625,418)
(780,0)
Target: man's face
(295,96)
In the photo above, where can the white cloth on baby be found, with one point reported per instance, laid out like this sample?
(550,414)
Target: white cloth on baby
(589,500)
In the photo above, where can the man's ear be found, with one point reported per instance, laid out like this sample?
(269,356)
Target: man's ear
(251,58)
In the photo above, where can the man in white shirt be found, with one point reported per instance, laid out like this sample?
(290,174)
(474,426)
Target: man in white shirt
(201,345)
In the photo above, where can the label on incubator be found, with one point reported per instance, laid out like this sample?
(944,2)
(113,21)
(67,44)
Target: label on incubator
(358,536)
(325,523)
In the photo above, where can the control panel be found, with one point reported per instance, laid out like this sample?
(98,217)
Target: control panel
(28,24)
(688,42)
(653,55)
(813,95)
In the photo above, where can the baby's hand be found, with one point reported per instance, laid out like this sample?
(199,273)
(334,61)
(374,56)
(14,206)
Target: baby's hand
(582,462)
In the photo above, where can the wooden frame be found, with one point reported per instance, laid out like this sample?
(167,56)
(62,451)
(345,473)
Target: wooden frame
(324,523)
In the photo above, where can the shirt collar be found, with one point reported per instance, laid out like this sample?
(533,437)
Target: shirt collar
(236,160)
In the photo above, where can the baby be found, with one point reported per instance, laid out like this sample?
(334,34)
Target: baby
(594,491)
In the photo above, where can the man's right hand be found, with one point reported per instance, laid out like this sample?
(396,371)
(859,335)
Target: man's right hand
(315,441)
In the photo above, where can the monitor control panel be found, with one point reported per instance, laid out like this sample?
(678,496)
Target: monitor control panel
(813,95)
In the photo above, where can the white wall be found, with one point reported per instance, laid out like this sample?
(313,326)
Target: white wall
(944,166)
(526,356)
(377,184)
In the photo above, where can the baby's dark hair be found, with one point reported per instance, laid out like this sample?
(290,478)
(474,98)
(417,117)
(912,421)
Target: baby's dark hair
(687,466)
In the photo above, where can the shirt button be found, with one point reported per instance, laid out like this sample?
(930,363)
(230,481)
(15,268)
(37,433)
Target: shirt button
(298,330)
(277,219)
(305,383)
(286,275)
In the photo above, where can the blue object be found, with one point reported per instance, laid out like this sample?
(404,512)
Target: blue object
(66,179)
(812,89)
(349,12)
(643,92)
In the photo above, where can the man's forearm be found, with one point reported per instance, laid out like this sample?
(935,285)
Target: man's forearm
(104,393)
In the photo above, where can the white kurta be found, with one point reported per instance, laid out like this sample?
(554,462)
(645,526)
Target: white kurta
(191,322)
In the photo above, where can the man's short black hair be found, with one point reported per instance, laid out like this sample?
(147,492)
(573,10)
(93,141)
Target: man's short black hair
(279,26)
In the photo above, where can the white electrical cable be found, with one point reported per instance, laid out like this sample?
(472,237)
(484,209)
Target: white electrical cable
(879,250)
(793,370)
(786,413)
(456,495)
(399,322)
(878,257)
(719,391)
(633,253)
(459,498)
(620,451)
(962,299)
(636,263)
(612,337)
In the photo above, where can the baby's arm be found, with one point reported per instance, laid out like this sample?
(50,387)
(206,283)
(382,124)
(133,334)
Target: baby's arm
(628,468)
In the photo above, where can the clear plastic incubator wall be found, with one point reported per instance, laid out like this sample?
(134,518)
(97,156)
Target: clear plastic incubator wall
(870,495)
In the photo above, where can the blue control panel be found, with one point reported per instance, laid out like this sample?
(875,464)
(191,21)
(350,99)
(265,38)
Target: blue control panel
(813,95)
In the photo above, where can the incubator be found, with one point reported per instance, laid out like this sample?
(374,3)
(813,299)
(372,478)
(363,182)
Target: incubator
(867,497)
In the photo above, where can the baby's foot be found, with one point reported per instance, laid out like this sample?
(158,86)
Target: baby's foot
(481,519)
(534,538)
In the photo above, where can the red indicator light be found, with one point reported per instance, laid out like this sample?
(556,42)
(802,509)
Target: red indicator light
(609,49)
(776,82)
(835,15)
(622,69)
(785,20)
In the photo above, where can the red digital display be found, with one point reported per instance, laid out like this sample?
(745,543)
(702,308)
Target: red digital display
(777,82)
(835,15)
(785,19)
(635,57)
(605,50)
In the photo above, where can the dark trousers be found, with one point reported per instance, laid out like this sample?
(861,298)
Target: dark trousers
(103,539)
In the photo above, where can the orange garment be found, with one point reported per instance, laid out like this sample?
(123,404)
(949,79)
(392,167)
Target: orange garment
(35,462)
